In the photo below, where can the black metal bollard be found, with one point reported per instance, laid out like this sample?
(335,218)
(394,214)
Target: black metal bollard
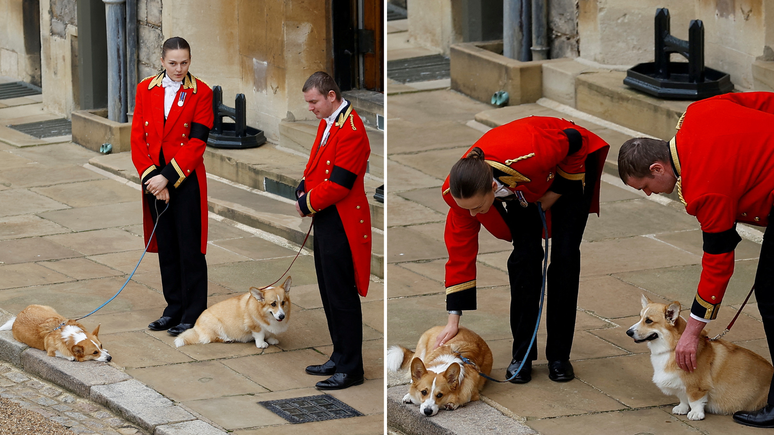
(238,134)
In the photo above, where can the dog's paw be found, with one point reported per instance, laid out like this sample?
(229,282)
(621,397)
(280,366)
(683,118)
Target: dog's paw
(407,398)
(261,344)
(451,406)
(696,414)
(681,409)
(272,340)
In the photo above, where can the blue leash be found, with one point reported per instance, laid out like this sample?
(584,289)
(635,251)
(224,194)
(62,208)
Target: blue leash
(540,309)
(158,215)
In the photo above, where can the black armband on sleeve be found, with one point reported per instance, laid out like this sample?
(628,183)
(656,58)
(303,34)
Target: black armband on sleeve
(721,243)
(199,131)
(343,177)
(575,139)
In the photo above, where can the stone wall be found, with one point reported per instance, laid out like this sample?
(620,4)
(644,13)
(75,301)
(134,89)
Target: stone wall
(563,25)
(13,53)
(59,55)
(150,37)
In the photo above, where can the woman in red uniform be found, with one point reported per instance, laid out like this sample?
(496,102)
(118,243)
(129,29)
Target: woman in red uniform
(499,184)
(172,119)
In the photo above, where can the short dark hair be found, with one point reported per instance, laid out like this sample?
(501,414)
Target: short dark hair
(471,175)
(636,155)
(323,83)
(175,43)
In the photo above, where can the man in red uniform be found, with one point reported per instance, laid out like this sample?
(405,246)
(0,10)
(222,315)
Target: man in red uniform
(533,159)
(722,162)
(332,191)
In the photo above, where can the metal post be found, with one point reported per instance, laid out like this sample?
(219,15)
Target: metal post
(696,52)
(661,25)
(539,30)
(115,14)
(131,52)
(512,29)
(240,115)
(217,100)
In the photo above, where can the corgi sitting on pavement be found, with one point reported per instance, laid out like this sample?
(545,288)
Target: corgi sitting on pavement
(259,314)
(446,377)
(728,378)
(41,327)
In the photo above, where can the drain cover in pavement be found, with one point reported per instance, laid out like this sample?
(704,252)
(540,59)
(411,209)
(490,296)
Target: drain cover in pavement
(40,130)
(419,69)
(17,89)
(311,408)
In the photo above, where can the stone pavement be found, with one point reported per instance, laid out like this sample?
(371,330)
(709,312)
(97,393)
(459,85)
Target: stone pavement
(70,234)
(638,245)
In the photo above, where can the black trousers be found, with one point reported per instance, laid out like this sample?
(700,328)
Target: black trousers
(183,266)
(764,292)
(338,290)
(568,221)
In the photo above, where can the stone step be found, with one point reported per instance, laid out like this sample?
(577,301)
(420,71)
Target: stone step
(250,204)
(299,136)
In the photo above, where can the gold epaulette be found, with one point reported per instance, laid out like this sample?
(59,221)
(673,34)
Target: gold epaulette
(343,117)
(448,189)
(156,81)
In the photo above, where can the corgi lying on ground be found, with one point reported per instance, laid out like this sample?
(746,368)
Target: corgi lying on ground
(256,315)
(41,327)
(446,377)
(728,378)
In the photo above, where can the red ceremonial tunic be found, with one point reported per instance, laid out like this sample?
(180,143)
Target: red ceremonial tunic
(723,153)
(334,177)
(528,155)
(182,138)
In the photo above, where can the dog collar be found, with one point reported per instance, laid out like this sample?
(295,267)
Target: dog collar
(60,325)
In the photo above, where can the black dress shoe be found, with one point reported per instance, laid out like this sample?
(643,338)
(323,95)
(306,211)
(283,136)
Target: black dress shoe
(339,381)
(162,324)
(763,417)
(524,376)
(179,329)
(326,369)
(560,371)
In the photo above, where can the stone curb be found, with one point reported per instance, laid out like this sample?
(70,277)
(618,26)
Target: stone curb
(105,385)
(475,417)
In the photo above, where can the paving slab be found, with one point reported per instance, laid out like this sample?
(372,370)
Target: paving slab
(23,226)
(197,427)
(96,217)
(23,202)
(642,421)
(410,137)
(403,178)
(90,193)
(80,268)
(25,251)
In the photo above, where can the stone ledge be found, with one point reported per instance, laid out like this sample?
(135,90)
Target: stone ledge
(78,377)
(139,404)
(474,417)
(763,75)
(197,427)
(478,71)
(604,95)
(91,129)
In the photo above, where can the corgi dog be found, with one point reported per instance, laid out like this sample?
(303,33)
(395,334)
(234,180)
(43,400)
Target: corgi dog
(728,378)
(259,314)
(446,377)
(41,327)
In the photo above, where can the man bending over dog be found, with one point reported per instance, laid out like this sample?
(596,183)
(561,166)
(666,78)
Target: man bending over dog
(722,163)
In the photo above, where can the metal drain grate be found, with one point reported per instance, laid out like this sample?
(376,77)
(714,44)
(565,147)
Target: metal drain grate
(17,89)
(310,408)
(44,129)
(419,69)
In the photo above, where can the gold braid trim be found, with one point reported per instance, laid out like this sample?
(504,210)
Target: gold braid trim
(179,173)
(512,161)
(460,287)
(343,117)
(447,190)
(678,167)
(680,121)
(352,121)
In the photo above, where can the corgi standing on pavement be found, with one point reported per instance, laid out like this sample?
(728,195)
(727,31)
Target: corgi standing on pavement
(256,315)
(727,379)
(446,377)
(41,327)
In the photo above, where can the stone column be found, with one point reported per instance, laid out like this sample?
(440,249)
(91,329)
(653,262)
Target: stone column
(115,14)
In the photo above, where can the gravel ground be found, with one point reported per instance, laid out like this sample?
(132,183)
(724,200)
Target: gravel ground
(15,420)
(32,406)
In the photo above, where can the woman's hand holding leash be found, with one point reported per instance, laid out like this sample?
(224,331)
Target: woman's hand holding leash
(547,200)
(451,329)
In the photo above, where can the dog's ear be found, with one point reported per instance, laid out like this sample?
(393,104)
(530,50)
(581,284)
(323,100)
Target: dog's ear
(452,375)
(257,293)
(77,351)
(673,312)
(417,369)
(96,331)
(645,301)
(286,284)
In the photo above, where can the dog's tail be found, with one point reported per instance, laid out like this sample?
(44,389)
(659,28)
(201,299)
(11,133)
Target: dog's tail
(190,336)
(8,325)
(398,357)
